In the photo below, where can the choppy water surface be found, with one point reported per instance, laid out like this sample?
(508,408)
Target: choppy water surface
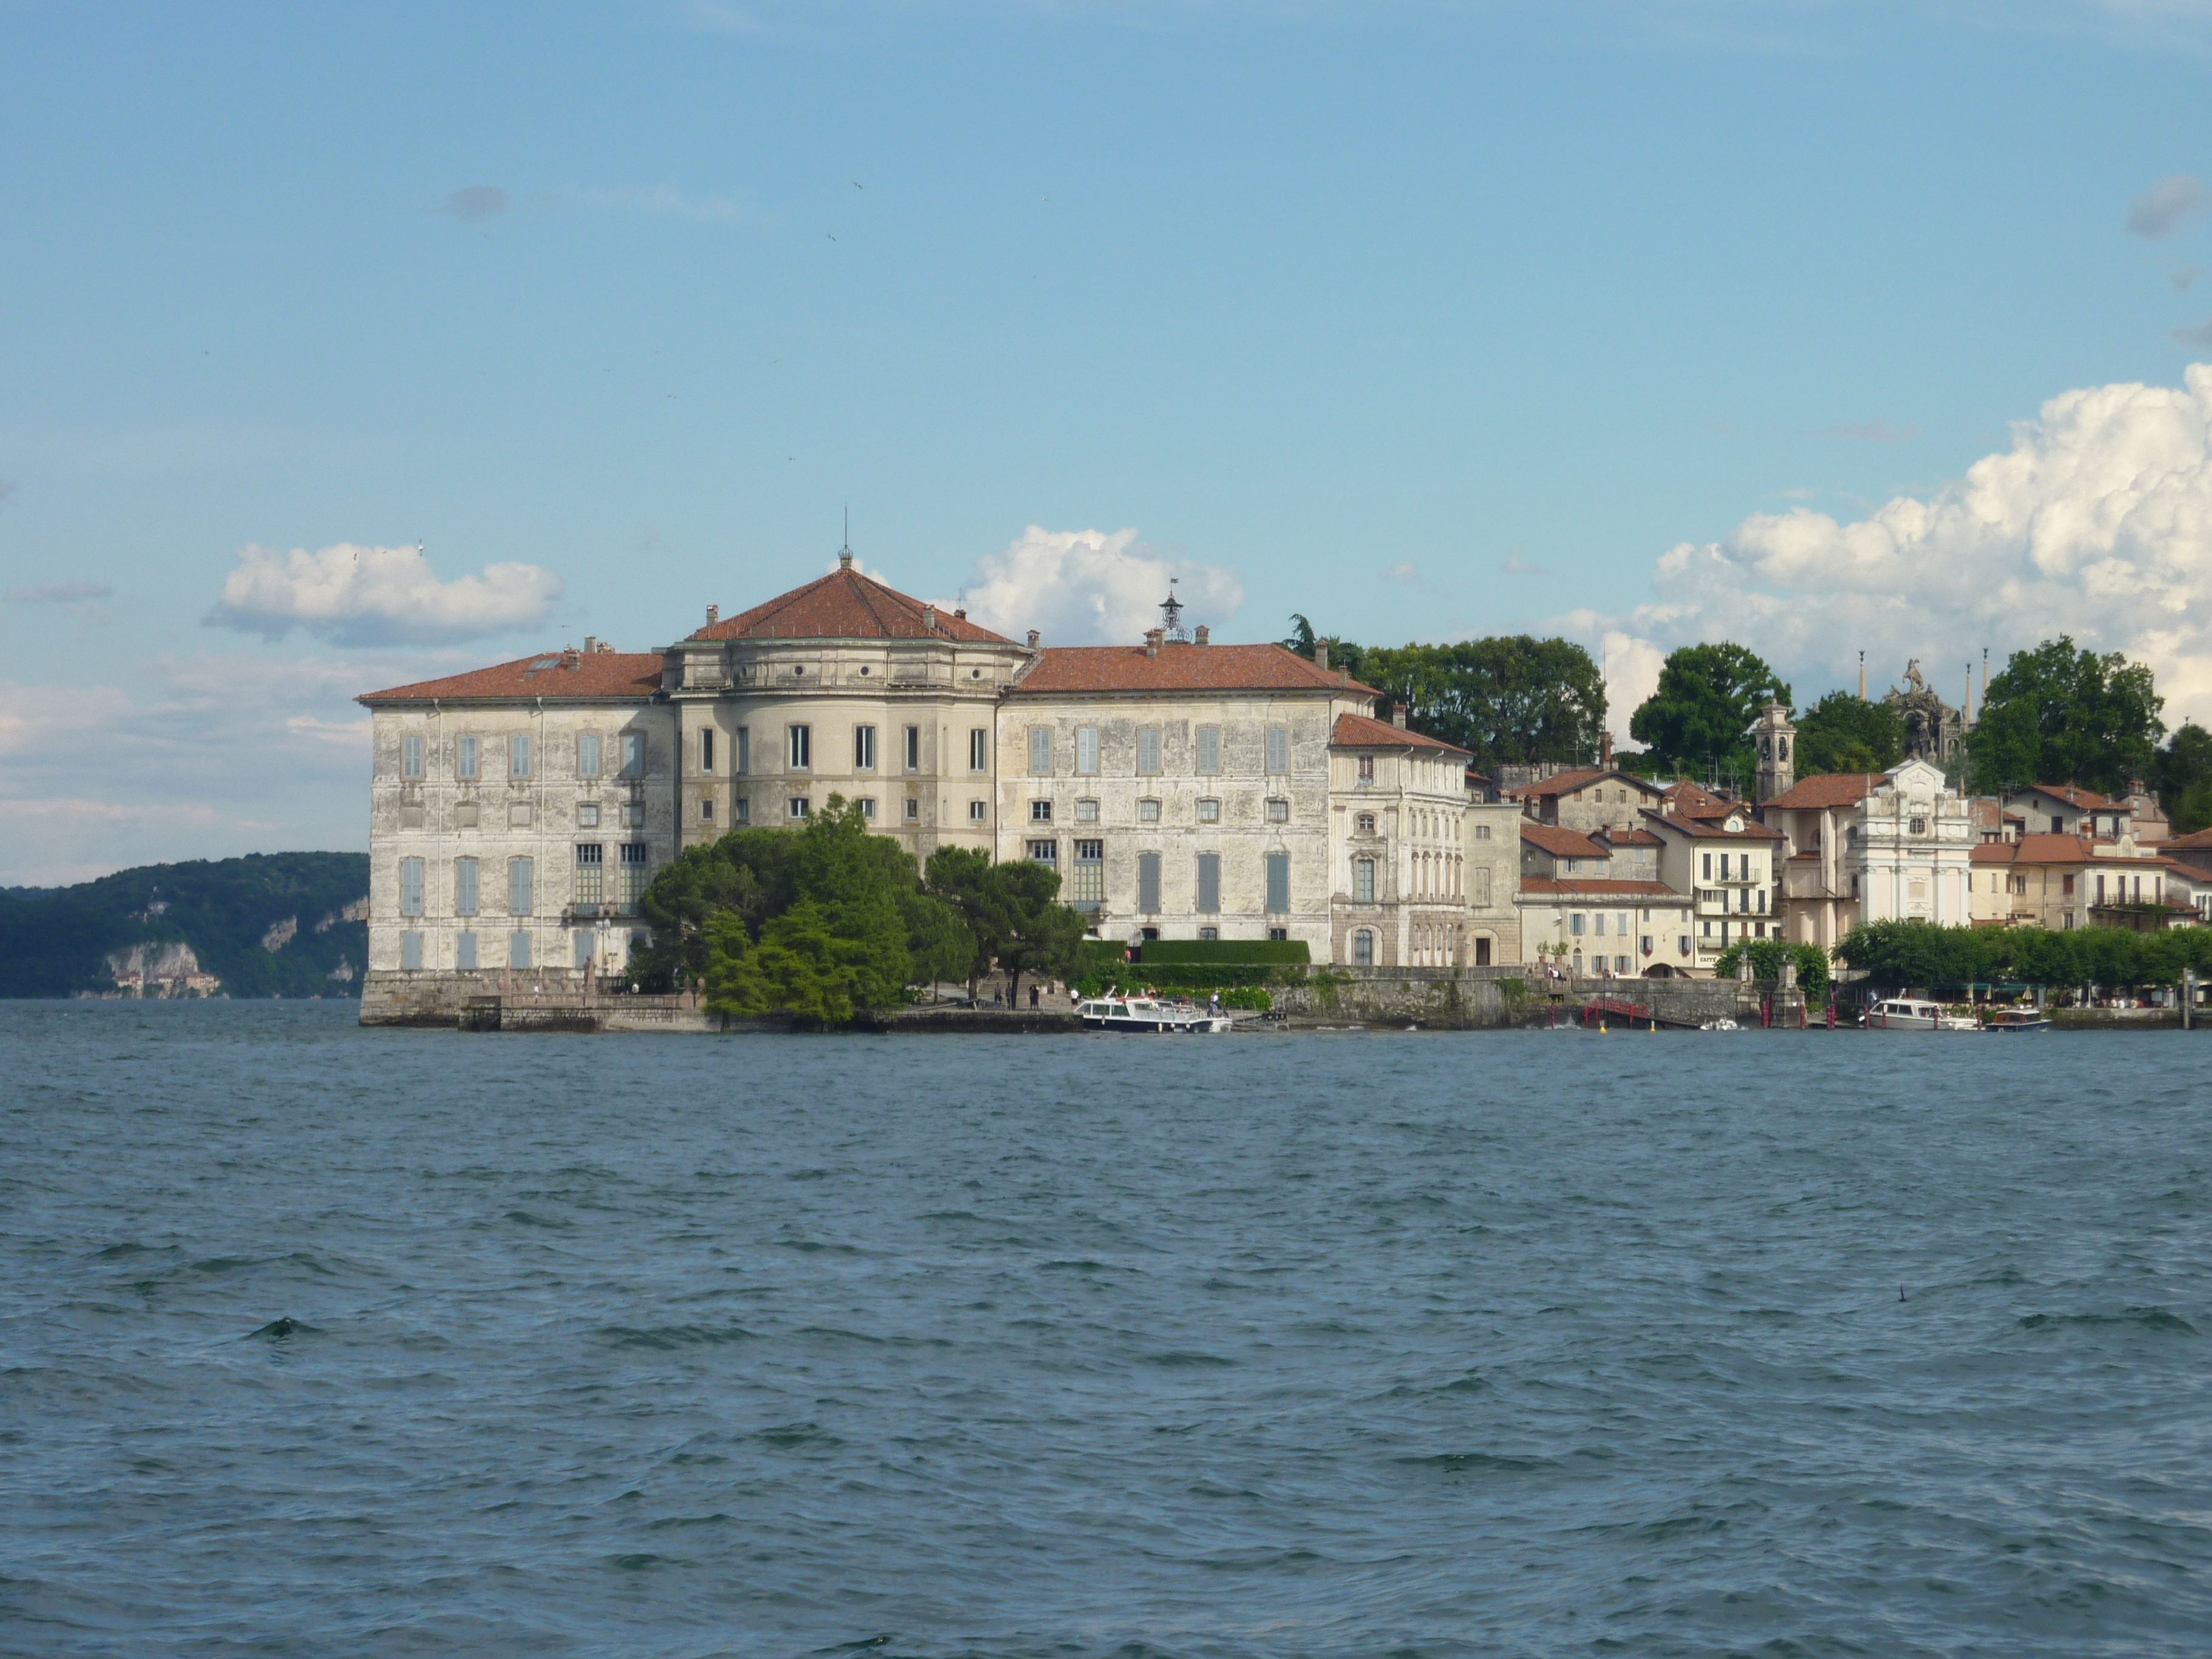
(316,1341)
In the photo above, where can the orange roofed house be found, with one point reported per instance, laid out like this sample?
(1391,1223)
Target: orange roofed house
(1181,789)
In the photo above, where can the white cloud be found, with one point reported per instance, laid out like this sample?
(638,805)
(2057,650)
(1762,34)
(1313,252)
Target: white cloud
(82,599)
(1631,667)
(1087,587)
(2097,522)
(2166,206)
(474,203)
(356,595)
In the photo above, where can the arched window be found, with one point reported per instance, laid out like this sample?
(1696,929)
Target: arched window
(1362,948)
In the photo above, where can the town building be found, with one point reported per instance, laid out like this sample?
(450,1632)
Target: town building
(1725,862)
(1588,799)
(2066,809)
(1818,818)
(1492,853)
(1909,849)
(2067,881)
(1181,789)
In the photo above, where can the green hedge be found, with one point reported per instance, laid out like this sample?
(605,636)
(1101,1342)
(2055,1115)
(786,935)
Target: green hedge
(1156,951)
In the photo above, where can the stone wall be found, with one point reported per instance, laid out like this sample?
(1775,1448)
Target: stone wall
(1476,999)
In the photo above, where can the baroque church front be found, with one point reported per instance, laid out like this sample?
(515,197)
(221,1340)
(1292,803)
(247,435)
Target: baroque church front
(1181,789)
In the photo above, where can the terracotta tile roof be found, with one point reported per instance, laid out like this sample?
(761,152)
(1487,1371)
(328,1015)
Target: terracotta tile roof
(2086,800)
(846,605)
(1693,801)
(601,675)
(1060,670)
(1357,731)
(1561,843)
(1709,828)
(1565,783)
(2073,849)
(2191,842)
(1992,852)
(1637,838)
(1580,886)
(1828,789)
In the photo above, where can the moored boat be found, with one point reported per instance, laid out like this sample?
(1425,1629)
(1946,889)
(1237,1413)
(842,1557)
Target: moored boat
(2017,1019)
(1150,1014)
(1911,1014)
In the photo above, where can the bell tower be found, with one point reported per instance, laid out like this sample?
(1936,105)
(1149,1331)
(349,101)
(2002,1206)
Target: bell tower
(1774,740)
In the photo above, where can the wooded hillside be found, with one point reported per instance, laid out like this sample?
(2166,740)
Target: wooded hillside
(267,924)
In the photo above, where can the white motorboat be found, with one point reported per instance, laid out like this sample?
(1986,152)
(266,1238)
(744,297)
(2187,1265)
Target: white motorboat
(1909,1014)
(1150,1014)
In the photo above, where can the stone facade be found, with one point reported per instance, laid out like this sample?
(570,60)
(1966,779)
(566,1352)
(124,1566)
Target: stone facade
(1493,882)
(1910,849)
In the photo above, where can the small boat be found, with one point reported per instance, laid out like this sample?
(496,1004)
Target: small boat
(2017,1019)
(1909,1014)
(1721,1024)
(1150,1014)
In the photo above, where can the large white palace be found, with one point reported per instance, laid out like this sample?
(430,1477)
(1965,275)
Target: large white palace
(1183,789)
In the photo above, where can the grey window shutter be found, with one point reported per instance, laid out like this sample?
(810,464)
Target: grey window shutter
(1148,883)
(1209,883)
(1278,883)
(1279,748)
(1209,748)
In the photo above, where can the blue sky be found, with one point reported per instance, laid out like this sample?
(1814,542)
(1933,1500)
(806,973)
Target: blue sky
(1423,319)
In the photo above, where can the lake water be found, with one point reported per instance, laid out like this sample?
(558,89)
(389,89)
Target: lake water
(1543,1344)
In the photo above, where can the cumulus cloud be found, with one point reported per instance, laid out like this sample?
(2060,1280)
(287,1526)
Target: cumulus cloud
(356,595)
(1087,587)
(2096,522)
(2166,206)
(1631,667)
(474,203)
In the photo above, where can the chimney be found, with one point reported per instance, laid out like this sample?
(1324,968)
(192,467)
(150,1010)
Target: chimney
(1153,636)
(929,619)
(1398,716)
(571,658)
(590,645)
(1605,749)
(1035,639)
(962,614)
(1201,633)
(714,615)
(1321,655)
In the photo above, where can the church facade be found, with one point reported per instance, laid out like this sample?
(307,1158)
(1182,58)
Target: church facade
(1181,789)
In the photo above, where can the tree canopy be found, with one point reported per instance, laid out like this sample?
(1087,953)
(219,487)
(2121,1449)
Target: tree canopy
(829,920)
(1507,699)
(1895,954)
(1701,714)
(1845,733)
(2063,714)
(2185,779)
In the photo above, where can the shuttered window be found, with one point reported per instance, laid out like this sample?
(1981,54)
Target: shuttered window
(410,887)
(1209,884)
(517,756)
(633,754)
(1362,880)
(1279,748)
(465,887)
(1209,750)
(1279,883)
(464,758)
(464,951)
(1087,750)
(1482,887)
(588,756)
(1148,750)
(518,950)
(1148,883)
(411,951)
(744,742)
(518,887)
(1040,752)
(411,758)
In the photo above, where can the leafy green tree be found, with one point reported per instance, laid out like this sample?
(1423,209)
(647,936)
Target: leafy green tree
(2061,714)
(1700,715)
(1767,957)
(802,966)
(748,872)
(1845,733)
(2184,779)
(936,939)
(962,880)
(1507,699)
(1041,936)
